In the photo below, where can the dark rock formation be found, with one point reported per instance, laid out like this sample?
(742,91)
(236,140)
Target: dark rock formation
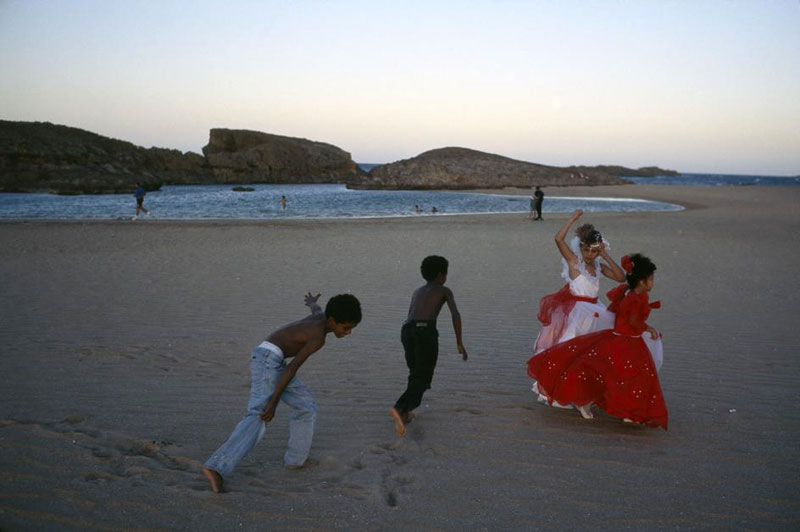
(40,156)
(241,156)
(621,171)
(461,168)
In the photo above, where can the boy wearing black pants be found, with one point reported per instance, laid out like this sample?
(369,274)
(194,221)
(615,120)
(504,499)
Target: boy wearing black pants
(421,339)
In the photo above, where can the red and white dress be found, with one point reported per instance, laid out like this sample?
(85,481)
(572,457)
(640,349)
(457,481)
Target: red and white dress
(573,310)
(611,368)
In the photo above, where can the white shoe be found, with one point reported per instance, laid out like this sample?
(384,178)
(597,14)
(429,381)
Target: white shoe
(542,399)
(134,218)
(586,411)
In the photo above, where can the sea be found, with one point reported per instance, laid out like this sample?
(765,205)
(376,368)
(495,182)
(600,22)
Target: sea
(194,202)
(189,202)
(716,180)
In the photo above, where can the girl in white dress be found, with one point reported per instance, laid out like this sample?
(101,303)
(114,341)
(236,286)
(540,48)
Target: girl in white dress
(574,310)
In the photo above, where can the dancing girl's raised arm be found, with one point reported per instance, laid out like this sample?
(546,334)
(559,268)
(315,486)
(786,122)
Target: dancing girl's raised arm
(563,247)
(611,269)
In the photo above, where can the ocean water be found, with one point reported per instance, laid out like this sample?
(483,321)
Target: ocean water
(712,180)
(303,201)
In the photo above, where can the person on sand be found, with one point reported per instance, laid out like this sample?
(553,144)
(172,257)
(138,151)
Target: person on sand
(538,200)
(139,194)
(532,214)
(272,379)
(421,339)
(612,368)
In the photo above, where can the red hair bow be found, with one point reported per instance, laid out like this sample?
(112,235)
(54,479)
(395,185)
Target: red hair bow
(627,264)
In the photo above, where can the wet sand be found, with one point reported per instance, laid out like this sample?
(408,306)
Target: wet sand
(125,350)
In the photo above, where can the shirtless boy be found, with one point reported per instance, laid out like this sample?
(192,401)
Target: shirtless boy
(272,379)
(421,339)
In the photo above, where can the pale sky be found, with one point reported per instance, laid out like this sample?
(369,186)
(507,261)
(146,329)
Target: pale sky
(696,86)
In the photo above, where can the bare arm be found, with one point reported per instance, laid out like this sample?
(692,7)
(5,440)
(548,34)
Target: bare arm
(451,304)
(311,302)
(288,374)
(611,269)
(563,247)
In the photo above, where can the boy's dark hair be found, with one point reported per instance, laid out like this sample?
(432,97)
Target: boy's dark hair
(344,308)
(432,266)
(642,269)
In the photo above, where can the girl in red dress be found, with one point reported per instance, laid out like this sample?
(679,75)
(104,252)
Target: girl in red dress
(612,368)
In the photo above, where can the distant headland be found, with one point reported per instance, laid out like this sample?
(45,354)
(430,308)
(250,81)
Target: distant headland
(45,157)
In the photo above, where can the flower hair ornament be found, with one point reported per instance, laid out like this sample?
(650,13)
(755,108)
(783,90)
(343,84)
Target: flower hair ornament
(627,264)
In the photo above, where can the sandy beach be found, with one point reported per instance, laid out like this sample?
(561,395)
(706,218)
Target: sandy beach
(125,350)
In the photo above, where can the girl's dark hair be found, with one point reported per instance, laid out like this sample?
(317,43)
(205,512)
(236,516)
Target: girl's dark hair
(344,308)
(588,235)
(642,269)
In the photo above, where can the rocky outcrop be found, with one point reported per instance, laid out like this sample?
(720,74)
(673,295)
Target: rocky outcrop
(462,168)
(621,171)
(241,156)
(40,156)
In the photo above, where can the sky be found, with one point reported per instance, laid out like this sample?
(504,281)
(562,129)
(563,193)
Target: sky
(694,85)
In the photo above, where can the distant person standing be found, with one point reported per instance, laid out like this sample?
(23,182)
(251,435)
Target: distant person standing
(139,194)
(533,208)
(283,203)
(538,200)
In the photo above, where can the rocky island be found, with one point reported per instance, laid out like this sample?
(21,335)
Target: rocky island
(462,168)
(241,156)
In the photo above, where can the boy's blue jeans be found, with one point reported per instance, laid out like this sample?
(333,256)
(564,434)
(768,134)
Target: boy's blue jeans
(266,367)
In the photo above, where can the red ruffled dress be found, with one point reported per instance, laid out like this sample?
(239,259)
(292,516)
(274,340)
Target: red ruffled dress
(612,368)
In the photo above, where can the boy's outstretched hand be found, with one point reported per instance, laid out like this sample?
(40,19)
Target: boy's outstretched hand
(310,300)
(463,351)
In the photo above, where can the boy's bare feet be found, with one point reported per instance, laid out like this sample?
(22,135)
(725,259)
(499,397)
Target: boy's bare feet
(399,426)
(215,479)
(310,462)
